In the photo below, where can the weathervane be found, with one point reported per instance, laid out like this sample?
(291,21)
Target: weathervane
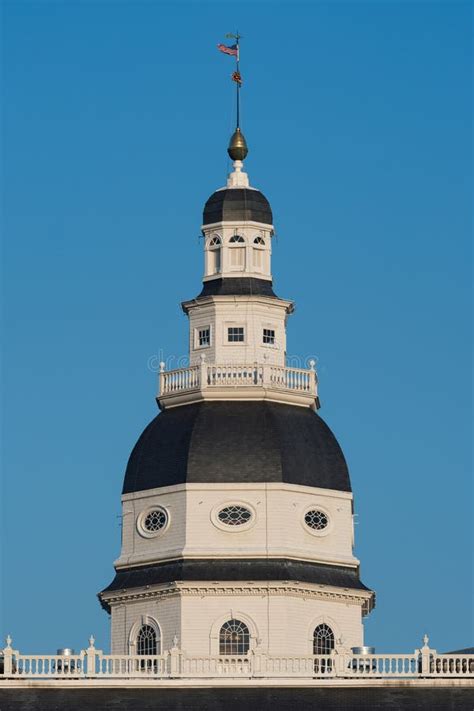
(237,149)
(234,51)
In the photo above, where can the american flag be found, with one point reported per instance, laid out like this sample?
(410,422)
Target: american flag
(233,50)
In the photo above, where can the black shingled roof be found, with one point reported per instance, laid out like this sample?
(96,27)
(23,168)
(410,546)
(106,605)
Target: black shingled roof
(237,442)
(237,286)
(237,204)
(264,569)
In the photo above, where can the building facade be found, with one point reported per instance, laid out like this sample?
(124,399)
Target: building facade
(237,506)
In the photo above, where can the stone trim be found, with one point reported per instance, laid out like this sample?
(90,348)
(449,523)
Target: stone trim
(216,589)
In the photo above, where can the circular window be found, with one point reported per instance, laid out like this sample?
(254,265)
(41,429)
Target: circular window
(152,521)
(234,515)
(316,520)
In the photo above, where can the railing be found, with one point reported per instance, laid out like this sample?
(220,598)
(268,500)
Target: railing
(38,666)
(216,666)
(235,375)
(115,665)
(179,380)
(92,663)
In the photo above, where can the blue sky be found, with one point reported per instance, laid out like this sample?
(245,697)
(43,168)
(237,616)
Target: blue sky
(116,119)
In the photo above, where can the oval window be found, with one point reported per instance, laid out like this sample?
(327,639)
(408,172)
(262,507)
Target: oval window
(235,515)
(317,520)
(152,521)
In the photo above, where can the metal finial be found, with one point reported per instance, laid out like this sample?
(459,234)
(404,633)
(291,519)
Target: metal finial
(238,149)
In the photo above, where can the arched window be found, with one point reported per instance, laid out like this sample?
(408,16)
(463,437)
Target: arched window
(147,642)
(258,253)
(237,253)
(323,640)
(215,255)
(234,638)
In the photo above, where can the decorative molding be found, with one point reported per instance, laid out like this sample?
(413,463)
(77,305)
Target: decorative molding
(360,598)
(243,394)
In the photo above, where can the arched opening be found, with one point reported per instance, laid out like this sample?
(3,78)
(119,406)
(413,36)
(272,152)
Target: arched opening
(258,253)
(237,252)
(323,643)
(323,639)
(147,641)
(234,638)
(215,255)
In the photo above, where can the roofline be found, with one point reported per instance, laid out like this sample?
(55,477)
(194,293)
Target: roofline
(289,306)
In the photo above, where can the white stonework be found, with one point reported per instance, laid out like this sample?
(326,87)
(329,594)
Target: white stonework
(238,178)
(278,529)
(255,314)
(281,619)
(225,255)
(282,614)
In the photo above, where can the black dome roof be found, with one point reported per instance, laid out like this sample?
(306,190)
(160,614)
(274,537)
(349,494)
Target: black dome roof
(237,204)
(232,442)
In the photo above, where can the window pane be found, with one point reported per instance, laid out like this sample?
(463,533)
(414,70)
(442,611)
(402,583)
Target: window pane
(269,336)
(146,640)
(235,334)
(234,638)
(204,337)
(323,640)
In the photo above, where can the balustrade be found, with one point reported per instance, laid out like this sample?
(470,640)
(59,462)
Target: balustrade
(131,665)
(173,381)
(37,666)
(92,663)
(234,375)
(237,375)
(445,665)
(383,665)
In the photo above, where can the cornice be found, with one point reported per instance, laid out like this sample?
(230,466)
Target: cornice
(273,589)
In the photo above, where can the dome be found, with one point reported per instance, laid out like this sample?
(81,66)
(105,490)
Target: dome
(237,442)
(236,204)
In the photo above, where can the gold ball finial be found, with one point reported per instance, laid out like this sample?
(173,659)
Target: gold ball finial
(237,149)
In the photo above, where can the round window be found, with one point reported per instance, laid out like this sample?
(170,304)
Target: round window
(234,515)
(317,520)
(153,521)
